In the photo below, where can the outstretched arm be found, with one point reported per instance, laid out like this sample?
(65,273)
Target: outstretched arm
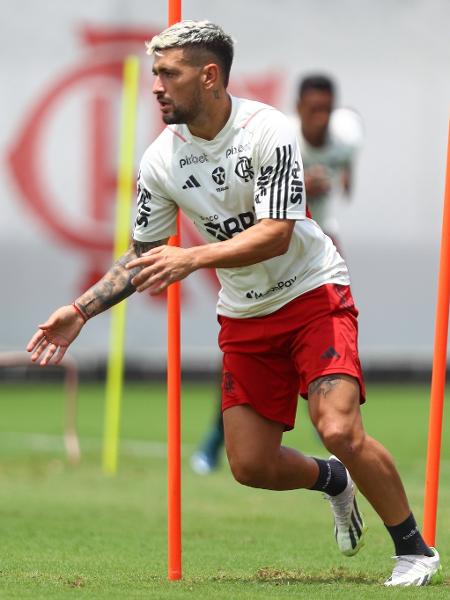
(116,284)
(53,337)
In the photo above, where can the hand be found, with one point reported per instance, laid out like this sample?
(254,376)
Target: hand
(317,181)
(55,335)
(161,266)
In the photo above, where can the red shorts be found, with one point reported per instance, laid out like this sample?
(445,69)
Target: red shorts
(268,361)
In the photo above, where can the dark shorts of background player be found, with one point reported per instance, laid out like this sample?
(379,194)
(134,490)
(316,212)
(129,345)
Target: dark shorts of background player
(268,361)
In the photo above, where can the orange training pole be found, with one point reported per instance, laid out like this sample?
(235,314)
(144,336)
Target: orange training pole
(439,372)
(173,400)
(174,11)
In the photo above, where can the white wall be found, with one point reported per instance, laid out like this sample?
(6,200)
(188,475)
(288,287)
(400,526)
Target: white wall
(392,60)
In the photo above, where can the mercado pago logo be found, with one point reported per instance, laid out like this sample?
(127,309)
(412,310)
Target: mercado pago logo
(63,157)
(280,285)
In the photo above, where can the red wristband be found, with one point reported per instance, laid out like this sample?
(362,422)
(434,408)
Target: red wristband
(83,316)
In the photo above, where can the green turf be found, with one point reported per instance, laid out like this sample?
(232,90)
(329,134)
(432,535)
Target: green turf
(74,532)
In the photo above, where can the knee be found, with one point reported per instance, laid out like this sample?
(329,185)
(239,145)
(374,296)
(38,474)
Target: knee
(342,440)
(248,471)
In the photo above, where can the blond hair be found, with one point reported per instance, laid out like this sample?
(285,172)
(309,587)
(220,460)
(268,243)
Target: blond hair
(200,35)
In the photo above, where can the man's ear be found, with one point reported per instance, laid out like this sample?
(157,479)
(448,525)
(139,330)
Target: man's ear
(210,75)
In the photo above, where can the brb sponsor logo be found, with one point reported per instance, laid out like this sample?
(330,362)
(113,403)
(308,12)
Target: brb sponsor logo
(237,149)
(281,285)
(224,230)
(193,160)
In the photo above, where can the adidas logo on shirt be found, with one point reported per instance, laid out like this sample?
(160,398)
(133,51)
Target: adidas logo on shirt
(191,182)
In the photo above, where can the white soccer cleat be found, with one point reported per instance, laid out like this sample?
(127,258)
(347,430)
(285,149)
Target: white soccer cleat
(349,527)
(202,464)
(416,570)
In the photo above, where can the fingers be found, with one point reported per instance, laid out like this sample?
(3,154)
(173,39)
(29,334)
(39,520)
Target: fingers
(35,340)
(155,250)
(60,355)
(148,279)
(146,259)
(39,348)
(140,278)
(50,353)
(158,268)
(44,349)
(136,262)
(51,349)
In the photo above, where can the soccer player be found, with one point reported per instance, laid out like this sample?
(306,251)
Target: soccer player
(207,456)
(288,321)
(329,140)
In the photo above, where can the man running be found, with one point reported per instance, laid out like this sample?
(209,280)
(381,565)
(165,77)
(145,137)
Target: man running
(288,321)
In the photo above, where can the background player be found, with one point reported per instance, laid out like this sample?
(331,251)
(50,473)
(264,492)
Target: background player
(207,457)
(329,140)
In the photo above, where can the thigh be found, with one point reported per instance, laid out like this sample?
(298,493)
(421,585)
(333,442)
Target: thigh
(250,437)
(334,404)
(328,342)
(257,371)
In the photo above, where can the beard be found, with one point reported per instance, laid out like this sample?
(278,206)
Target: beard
(178,116)
(184,114)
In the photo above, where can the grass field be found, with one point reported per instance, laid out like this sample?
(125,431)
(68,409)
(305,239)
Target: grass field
(74,532)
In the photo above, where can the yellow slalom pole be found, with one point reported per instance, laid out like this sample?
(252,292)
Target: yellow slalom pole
(114,378)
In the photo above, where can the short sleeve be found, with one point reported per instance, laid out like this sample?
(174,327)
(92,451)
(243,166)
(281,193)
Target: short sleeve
(156,212)
(279,191)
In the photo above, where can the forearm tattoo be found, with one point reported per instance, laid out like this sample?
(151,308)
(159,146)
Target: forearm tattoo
(116,284)
(324,385)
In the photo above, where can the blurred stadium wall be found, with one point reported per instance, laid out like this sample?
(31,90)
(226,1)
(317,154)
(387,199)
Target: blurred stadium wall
(60,80)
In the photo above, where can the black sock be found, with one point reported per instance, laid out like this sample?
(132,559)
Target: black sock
(407,538)
(332,477)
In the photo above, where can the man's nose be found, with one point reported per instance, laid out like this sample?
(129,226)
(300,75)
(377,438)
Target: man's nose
(157,85)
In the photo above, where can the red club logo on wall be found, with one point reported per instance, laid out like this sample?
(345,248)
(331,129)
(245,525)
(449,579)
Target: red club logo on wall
(64,157)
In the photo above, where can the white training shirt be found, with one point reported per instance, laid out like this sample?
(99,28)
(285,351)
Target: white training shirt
(251,170)
(344,138)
